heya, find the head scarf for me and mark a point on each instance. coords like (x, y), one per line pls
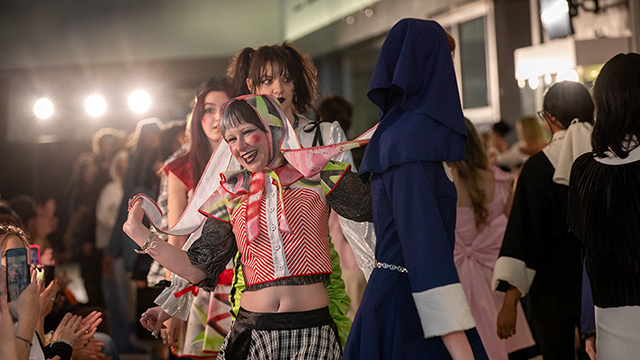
(414, 86)
(289, 162)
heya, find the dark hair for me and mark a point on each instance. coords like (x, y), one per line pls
(336, 108)
(8, 216)
(200, 150)
(617, 96)
(469, 175)
(24, 207)
(168, 137)
(237, 112)
(285, 58)
(501, 128)
(568, 100)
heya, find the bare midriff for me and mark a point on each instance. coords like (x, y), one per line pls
(285, 298)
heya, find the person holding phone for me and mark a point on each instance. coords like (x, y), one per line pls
(31, 305)
(7, 334)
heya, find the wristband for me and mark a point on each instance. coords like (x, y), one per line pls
(148, 245)
(61, 341)
(29, 344)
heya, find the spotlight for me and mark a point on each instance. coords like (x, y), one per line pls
(569, 75)
(139, 101)
(368, 12)
(43, 108)
(95, 105)
(533, 82)
(350, 20)
(547, 79)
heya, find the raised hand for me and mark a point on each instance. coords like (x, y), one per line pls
(68, 330)
(7, 335)
(89, 326)
(48, 298)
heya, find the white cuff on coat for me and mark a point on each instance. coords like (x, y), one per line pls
(515, 272)
(443, 310)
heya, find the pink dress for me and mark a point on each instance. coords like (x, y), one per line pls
(475, 256)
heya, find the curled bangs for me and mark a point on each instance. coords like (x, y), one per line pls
(274, 58)
(237, 112)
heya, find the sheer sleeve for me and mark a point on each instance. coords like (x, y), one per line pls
(213, 250)
(351, 198)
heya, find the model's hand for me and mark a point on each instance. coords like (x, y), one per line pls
(153, 318)
(171, 332)
(509, 313)
(590, 347)
(133, 226)
(507, 320)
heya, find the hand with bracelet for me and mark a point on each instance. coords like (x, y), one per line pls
(69, 330)
(169, 256)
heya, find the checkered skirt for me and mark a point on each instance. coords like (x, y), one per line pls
(270, 336)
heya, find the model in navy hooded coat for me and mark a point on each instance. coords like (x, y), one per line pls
(414, 295)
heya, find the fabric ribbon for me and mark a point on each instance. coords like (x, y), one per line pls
(255, 193)
(484, 248)
(311, 127)
(193, 289)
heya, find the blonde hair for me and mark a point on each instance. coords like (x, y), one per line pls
(532, 131)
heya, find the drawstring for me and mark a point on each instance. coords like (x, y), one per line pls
(314, 126)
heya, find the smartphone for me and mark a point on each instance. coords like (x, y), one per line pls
(49, 274)
(35, 254)
(18, 275)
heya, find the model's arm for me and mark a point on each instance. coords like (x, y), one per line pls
(351, 198)
(172, 258)
(176, 203)
(458, 345)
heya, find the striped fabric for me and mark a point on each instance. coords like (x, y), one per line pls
(306, 251)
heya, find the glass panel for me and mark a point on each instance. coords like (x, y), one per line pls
(473, 61)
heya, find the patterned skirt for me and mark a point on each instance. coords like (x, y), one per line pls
(295, 335)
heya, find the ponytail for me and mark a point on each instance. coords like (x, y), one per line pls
(238, 72)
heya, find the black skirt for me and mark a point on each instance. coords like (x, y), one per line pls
(301, 335)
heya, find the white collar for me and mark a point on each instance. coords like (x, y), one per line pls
(552, 150)
(613, 159)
